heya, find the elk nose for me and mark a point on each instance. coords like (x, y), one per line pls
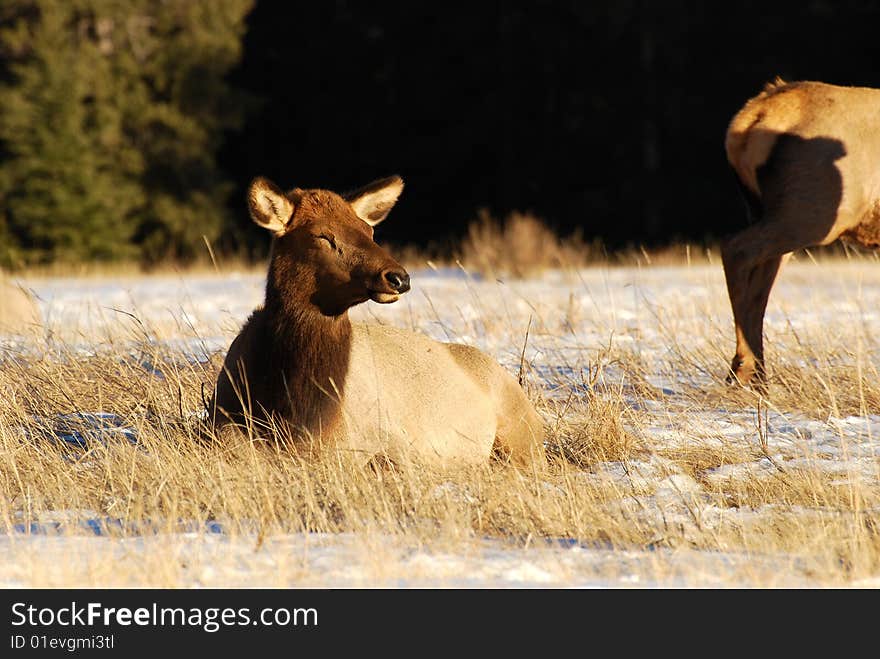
(399, 281)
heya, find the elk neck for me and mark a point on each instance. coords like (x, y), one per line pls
(310, 351)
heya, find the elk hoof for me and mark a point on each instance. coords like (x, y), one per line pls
(747, 374)
(738, 373)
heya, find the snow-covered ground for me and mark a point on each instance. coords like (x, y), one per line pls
(566, 321)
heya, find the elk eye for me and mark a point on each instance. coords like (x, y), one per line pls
(329, 239)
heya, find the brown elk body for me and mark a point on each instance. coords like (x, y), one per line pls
(19, 313)
(807, 159)
(301, 368)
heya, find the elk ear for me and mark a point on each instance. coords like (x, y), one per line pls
(269, 207)
(374, 201)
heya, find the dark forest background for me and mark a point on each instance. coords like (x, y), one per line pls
(130, 129)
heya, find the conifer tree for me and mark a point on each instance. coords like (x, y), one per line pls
(111, 113)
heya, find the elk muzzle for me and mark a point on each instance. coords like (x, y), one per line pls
(392, 283)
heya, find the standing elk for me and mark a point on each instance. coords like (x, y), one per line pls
(807, 159)
(300, 367)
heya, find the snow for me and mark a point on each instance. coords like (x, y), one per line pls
(559, 325)
(211, 560)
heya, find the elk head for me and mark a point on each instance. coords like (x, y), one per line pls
(323, 252)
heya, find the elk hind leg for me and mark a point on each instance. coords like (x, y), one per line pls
(519, 436)
(750, 277)
(751, 331)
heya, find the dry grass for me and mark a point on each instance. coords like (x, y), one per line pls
(255, 490)
(520, 246)
(604, 484)
(170, 475)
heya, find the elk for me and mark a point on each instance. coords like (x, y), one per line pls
(301, 369)
(19, 312)
(806, 156)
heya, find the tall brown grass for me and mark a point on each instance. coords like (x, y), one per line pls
(609, 484)
(521, 246)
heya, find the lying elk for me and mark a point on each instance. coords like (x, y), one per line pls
(807, 159)
(301, 366)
